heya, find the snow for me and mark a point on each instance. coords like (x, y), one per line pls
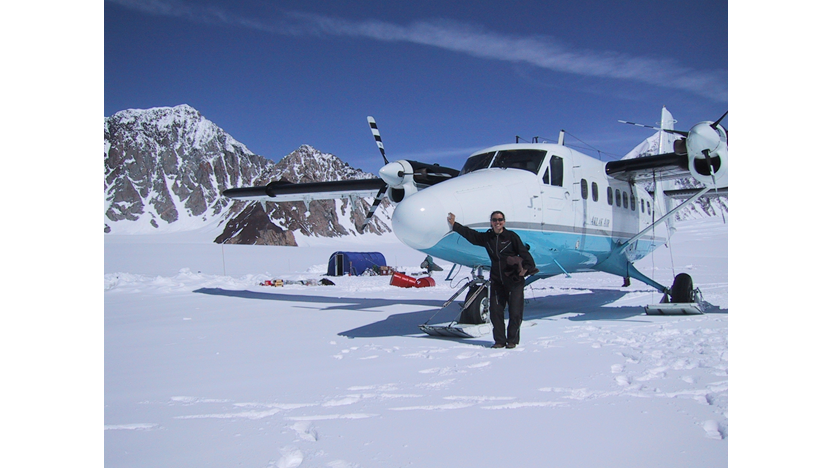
(205, 367)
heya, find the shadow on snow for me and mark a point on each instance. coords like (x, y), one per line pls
(588, 306)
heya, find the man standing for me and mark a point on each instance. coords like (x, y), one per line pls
(510, 264)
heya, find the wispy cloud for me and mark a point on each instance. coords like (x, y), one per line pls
(540, 51)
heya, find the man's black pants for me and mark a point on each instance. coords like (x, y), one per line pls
(502, 294)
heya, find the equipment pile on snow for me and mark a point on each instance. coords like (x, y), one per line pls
(356, 263)
(309, 282)
(403, 281)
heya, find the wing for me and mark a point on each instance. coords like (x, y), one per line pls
(683, 194)
(648, 168)
(283, 191)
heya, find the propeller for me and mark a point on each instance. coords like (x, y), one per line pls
(382, 190)
(403, 176)
(707, 154)
(680, 146)
(677, 132)
(705, 139)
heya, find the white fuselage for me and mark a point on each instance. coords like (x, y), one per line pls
(560, 202)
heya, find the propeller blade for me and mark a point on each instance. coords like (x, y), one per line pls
(379, 198)
(678, 132)
(377, 135)
(707, 154)
(713, 125)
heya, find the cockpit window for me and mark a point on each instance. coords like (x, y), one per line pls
(477, 161)
(527, 159)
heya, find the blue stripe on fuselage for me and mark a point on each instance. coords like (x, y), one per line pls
(551, 250)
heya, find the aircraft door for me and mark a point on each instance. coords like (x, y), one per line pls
(553, 194)
(579, 195)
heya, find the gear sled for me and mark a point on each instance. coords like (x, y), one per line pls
(473, 320)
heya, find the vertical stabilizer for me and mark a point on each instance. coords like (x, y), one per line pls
(666, 140)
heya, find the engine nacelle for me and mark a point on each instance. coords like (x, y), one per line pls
(704, 141)
(399, 178)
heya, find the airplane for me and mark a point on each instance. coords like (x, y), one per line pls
(574, 212)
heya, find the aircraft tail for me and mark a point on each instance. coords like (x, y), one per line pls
(666, 140)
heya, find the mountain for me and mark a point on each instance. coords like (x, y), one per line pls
(321, 218)
(165, 170)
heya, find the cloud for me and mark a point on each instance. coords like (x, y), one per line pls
(540, 51)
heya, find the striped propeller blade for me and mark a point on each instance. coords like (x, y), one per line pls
(379, 198)
(377, 135)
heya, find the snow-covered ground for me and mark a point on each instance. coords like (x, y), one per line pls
(205, 367)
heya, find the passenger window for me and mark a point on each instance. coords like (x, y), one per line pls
(609, 195)
(617, 197)
(642, 205)
(648, 209)
(632, 202)
(584, 189)
(594, 191)
(625, 201)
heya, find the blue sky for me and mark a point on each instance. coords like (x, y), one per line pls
(441, 78)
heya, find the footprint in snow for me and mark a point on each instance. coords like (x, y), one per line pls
(442, 370)
(481, 364)
(340, 464)
(305, 431)
(342, 402)
(291, 457)
(712, 429)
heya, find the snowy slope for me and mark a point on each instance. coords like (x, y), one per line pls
(165, 169)
(204, 367)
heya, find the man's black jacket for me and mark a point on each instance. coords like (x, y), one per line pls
(500, 247)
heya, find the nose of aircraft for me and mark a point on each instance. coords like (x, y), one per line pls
(421, 220)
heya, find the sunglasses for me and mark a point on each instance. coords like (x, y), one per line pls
(497, 220)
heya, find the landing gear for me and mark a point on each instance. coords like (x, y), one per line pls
(478, 302)
(681, 299)
(473, 320)
(682, 289)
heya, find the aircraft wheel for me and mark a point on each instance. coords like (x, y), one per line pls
(477, 312)
(682, 289)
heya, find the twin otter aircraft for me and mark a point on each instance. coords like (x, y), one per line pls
(576, 213)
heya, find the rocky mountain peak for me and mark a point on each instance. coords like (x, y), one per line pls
(165, 169)
(307, 164)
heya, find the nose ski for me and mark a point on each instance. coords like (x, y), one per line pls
(473, 319)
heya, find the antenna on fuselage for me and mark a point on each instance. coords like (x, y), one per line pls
(561, 137)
